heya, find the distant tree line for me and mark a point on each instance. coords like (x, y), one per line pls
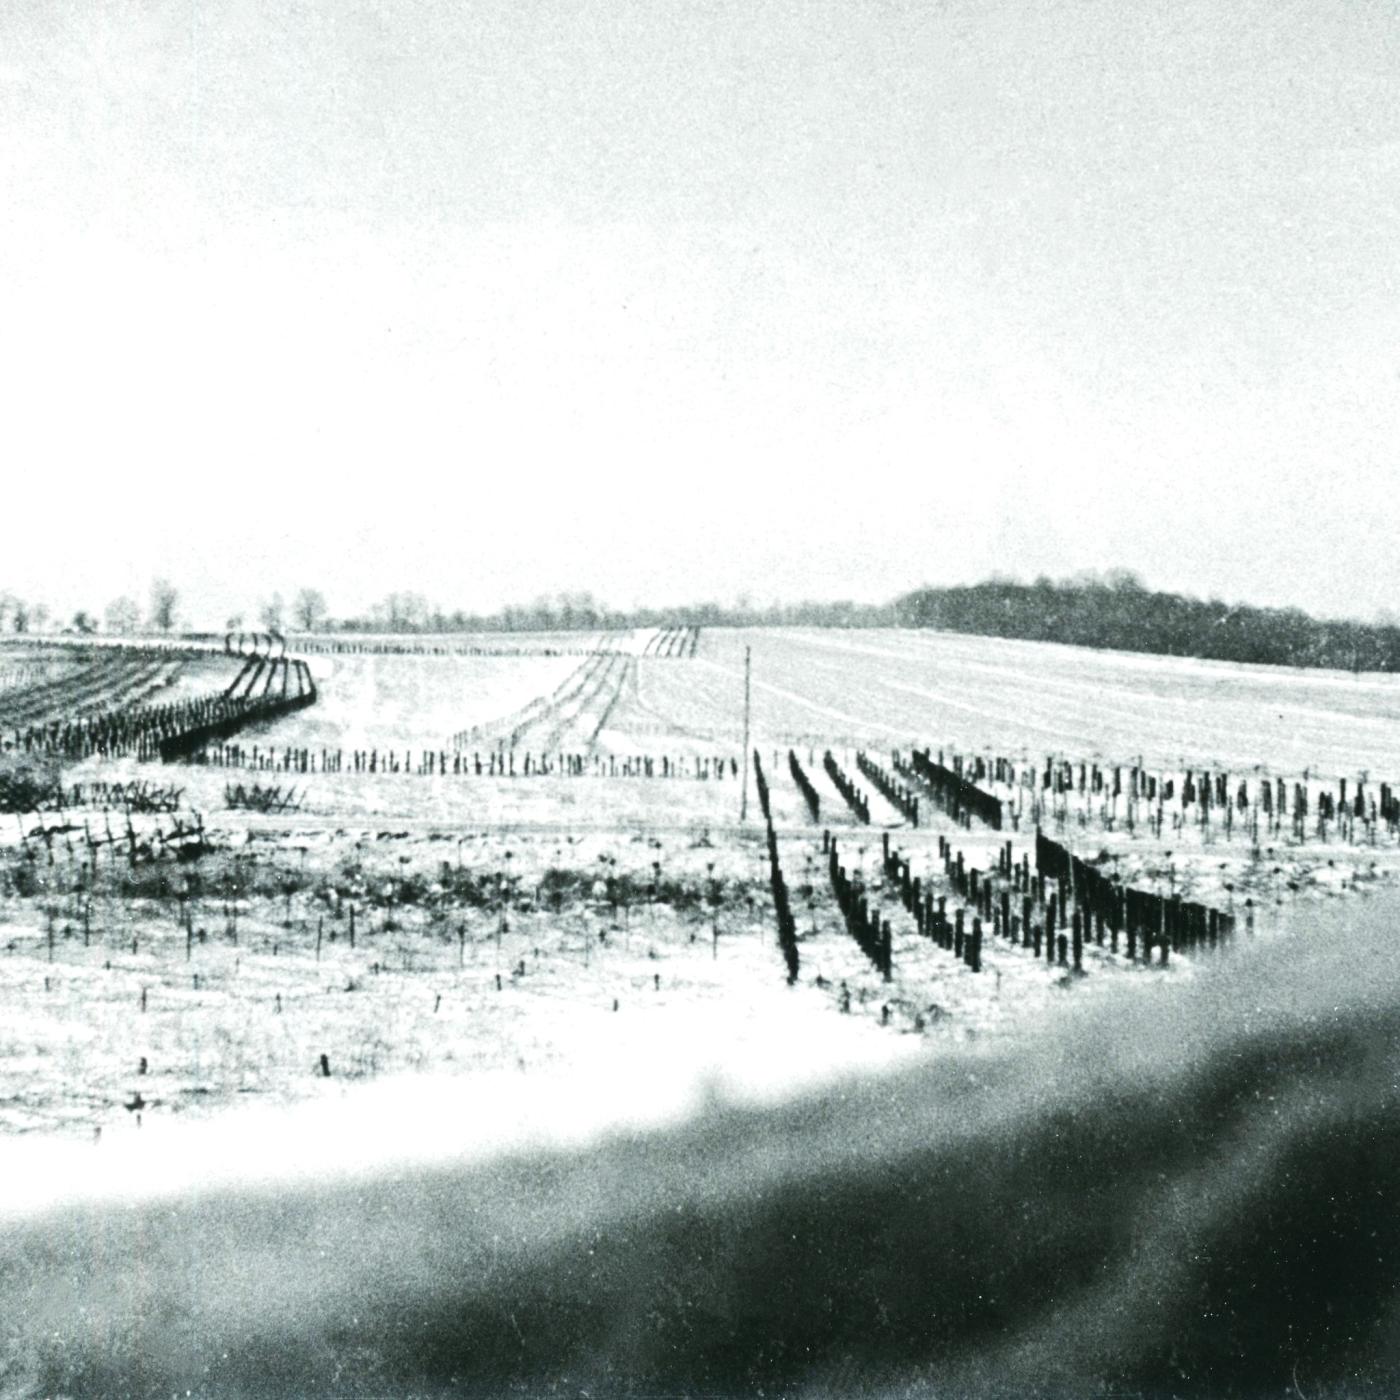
(1118, 611)
(581, 612)
(1114, 610)
(409, 613)
(124, 616)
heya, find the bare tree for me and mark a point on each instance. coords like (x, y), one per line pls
(309, 609)
(165, 601)
(122, 615)
(402, 612)
(542, 618)
(577, 610)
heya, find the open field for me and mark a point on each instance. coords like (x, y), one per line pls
(467, 856)
(63, 683)
(887, 688)
(883, 688)
(194, 985)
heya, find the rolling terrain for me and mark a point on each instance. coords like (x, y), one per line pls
(497, 1024)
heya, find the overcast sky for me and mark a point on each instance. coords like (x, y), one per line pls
(676, 301)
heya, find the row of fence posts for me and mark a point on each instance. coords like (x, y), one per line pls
(960, 797)
(584, 684)
(107, 681)
(901, 798)
(782, 904)
(1085, 906)
(761, 786)
(930, 918)
(1207, 792)
(1167, 922)
(593, 672)
(804, 786)
(871, 932)
(629, 669)
(496, 763)
(854, 798)
(1204, 797)
(673, 643)
(360, 647)
(1214, 797)
(158, 731)
(954, 784)
(991, 907)
(994, 905)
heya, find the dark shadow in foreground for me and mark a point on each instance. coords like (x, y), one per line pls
(1182, 1191)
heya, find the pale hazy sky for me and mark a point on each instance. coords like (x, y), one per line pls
(673, 301)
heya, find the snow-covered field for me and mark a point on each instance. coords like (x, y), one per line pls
(230, 977)
(890, 688)
(543, 961)
(39, 686)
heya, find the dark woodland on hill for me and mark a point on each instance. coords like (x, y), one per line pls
(1118, 612)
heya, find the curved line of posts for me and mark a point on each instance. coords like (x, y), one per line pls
(167, 731)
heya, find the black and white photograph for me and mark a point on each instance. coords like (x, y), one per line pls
(699, 699)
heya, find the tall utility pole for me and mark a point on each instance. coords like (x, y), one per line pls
(744, 791)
